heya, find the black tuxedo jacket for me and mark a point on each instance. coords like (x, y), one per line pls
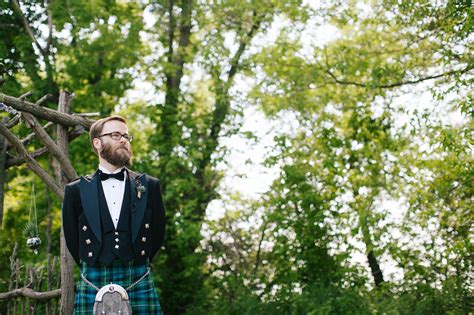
(81, 217)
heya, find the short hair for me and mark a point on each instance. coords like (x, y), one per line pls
(96, 128)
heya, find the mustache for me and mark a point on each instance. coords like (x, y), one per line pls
(123, 147)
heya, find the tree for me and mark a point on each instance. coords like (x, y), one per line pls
(212, 38)
(345, 155)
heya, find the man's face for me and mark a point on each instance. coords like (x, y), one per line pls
(116, 152)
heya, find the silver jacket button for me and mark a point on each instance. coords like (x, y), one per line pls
(147, 226)
(84, 228)
(90, 254)
(144, 239)
(88, 241)
(116, 247)
(143, 253)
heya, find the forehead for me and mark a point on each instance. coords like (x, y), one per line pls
(113, 126)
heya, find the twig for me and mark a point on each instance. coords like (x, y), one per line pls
(24, 96)
(43, 99)
(13, 122)
(87, 114)
(28, 138)
(400, 83)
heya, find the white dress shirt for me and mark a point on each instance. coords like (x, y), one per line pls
(113, 191)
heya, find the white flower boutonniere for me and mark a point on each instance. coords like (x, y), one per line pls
(140, 189)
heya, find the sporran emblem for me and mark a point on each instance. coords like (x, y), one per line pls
(112, 299)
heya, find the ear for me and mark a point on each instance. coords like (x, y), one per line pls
(97, 144)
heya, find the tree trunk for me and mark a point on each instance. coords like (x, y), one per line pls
(67, 279)
(3, 160)
(375, 268)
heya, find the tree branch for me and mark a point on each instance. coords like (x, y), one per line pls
(28, 138)
(66, 166)
(45, 113)
(13, 122)
(29, 293)
(17, 160)
(259, 250)
(3, 160)
(31, 162)
(221, 110)
(400, 83)
(26, 24)
(50, 29)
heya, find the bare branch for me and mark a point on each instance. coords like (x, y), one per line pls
(87, 114)
(31, 162)
(29, 293)
(3, 160)
(28, 138)
(24, 96)
(13, 122)
(43, 99)
(17, 161)
(45, 113)
(66, 166)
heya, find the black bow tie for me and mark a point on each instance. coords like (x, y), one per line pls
(120, 175)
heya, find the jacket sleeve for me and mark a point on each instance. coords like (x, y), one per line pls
(158, 218)
(70, 221)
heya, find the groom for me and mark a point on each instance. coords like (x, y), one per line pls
(114, 222)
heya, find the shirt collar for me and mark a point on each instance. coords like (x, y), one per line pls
(106, 171)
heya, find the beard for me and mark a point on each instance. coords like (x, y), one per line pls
(118, 156)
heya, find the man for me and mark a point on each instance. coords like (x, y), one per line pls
(114, 222)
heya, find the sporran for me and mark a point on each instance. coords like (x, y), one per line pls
(112, 299)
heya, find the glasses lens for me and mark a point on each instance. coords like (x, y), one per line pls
(116, 135)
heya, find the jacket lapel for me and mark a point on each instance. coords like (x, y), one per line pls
(137, 204)
(90, 203)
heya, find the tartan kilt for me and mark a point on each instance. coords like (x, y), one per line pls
(143, 296)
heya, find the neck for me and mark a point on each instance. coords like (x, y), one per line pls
(110, 167)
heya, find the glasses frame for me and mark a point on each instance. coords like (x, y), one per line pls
(115, 136)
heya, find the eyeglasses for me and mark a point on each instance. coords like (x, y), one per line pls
(117, 136)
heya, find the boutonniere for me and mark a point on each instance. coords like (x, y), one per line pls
(140, 189)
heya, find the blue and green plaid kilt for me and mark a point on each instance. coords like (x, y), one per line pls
(143, 296)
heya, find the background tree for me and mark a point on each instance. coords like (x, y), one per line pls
(203, 47)
(369, 177)
(349, 145)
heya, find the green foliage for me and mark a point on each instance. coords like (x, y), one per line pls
(364, 170)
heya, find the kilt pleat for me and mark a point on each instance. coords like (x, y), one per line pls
(143, 297)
